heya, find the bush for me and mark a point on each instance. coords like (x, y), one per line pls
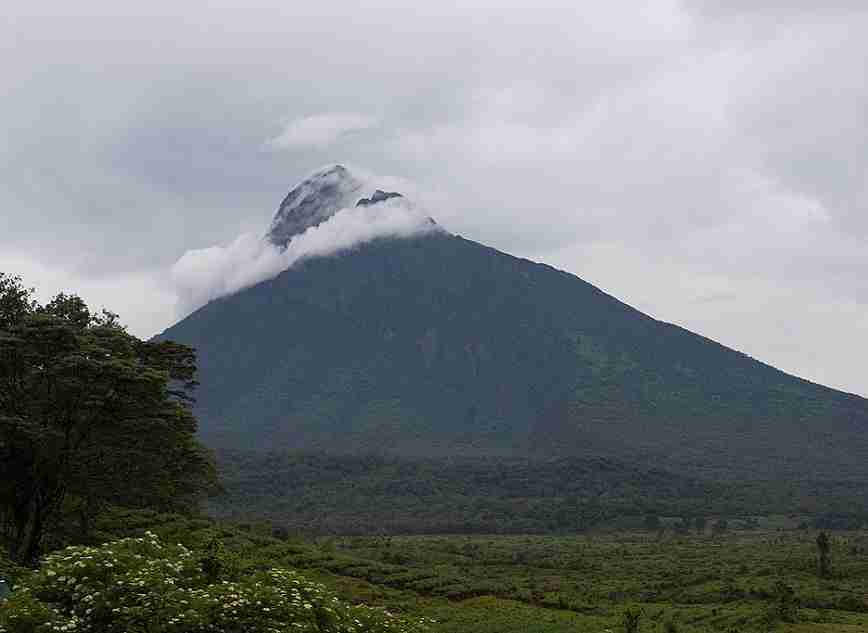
(141, 584)
(630, 620)
(784, 606)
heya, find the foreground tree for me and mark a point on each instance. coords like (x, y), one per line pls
(90, 415)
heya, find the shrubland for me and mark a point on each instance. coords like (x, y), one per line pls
(759, 574)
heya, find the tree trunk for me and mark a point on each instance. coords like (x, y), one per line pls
(30, 529)
(28, 536)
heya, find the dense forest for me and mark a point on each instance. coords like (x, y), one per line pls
(374, 494)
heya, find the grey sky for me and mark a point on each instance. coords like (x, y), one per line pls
(706, 162)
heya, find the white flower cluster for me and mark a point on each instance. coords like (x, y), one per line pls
(145, 584)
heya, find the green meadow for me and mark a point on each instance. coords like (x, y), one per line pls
(758, 575)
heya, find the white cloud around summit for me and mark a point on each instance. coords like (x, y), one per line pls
(202, 275)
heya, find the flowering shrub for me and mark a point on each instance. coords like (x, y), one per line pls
(143, 585)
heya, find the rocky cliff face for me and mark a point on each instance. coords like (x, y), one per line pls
(318, 198)
(314, 201)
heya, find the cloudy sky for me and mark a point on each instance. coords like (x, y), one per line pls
(708, 166)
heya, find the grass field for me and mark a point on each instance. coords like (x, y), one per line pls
(743, 580)
(739, 581)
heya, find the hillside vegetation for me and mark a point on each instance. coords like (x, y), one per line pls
(345, 494)
(439, 346)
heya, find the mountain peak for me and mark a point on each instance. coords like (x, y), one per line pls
(320, 196)
(313, 201)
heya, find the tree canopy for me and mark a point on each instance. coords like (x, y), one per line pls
(90, 415)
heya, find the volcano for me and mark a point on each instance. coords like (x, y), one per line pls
(430, 345)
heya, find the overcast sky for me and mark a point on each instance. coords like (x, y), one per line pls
(708, 166)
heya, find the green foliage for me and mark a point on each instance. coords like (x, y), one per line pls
(371, 494)
(16, 301)
(89, 415)
(551, 584)
(784, 606)
(375, 494)
(630, 620)
(670, 626)
(144, 584)
(216, 562)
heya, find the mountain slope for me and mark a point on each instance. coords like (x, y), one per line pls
(435, 345)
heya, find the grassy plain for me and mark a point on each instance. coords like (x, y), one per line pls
(737, 581)
(756, 579)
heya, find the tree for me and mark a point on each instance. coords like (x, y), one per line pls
(824, 549)
(700, 523)
(90, 415)
(16, 301)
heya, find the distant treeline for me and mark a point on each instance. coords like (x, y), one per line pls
(323, 493)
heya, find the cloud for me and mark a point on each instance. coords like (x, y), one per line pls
(320, 130)
(141, 298)
(203, 275)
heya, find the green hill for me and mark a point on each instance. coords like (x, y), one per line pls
(438, 346)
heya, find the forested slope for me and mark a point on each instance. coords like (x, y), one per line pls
(439, 346)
